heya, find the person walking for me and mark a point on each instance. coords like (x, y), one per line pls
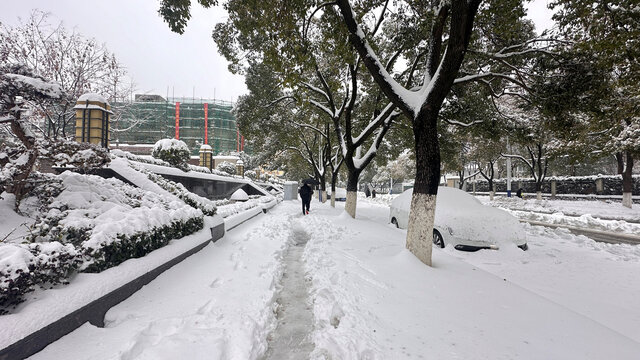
(305, 194)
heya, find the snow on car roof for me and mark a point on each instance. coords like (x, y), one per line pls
(446, 195)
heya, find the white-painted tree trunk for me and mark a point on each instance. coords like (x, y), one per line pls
(333, 200)
(324, 196)
(539, 195)
(626, 200)
(491, 195)
(350, 205)
(420, 229)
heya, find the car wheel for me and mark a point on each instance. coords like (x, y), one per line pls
(395, 222)
(437, 239)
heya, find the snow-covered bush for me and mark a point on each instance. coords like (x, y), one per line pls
(109, 221)
(25, 266)
(107, 255)
(251, 174)
(137, 158)
(83, 156)
(226, 167)
(207, 206)
(173, 151)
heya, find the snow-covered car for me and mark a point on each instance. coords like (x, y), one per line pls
(463, 221)
(341, 194)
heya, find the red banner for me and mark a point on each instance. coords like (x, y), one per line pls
(177, 121)
(206, 123)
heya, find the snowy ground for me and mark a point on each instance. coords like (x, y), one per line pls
(591, 214)
(566, 298)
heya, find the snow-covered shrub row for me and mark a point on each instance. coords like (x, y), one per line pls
(206, 170)
(612, 184)
(139, 244)
(143, 159)
(88, 223)
(25, 266)
(173, 151)
(235, 208)
(207, 206)
(151, 160)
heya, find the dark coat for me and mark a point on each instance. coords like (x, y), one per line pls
(305, 192)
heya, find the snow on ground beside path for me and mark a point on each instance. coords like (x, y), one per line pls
(217, 304)
(595, 279)
(588, 209)
(374, 300)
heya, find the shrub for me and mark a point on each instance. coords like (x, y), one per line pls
(173, 151)
(226, 167)
(251, 174)
(138, 245)
(25, 266)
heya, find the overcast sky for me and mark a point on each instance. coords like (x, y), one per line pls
(155, 57)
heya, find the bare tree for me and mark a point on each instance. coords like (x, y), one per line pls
(77, 64)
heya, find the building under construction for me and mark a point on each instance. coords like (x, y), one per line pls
(195, 121)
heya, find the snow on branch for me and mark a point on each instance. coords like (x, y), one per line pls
(308, 126)
(316, 90)
(280, 99)
(460, 123)
(322, 107)
(519, 157)
(362, 161)
(490, 75)
(386, 113)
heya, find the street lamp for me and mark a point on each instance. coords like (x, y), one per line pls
(240, 167)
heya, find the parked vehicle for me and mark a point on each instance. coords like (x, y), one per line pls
(463, 221)
(341, 194)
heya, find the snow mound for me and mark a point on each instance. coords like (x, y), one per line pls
(239, 195)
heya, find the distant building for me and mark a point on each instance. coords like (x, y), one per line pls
(151, 118)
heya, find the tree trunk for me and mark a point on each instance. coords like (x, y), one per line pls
(425, 190)
(539, 189)
(333, 193)
(491, 189)
(19, 181)
(626, 170)
(352, 192)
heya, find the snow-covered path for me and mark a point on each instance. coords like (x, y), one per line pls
(218, 304)
(290, 340)
(565, 298)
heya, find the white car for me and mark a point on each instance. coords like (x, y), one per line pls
(462, 221)
(341, 194)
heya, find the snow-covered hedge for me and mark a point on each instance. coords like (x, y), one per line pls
(107, 255)
(25, 266)
(612, 184)
(207, 206)
(88, 223)
(173, 151)
(154, 161)
(235, 208)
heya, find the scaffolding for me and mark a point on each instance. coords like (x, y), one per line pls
(151, 118)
